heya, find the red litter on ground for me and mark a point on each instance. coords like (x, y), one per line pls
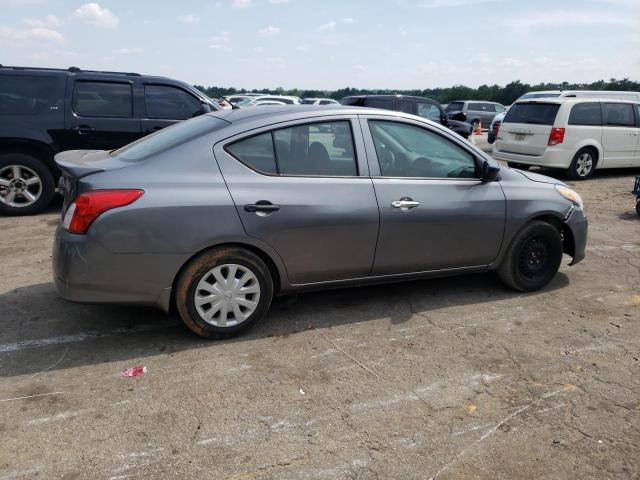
(134, 371)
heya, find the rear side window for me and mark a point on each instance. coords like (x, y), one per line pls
(586, 114)
(318, 149)
(619, 114)
(406, 106)
(454, 107)
(476, 107)
(103, 99)
(532, 113)
(163, 101)
(28, 95)
(428, 110)
(168, 138)
(379, 103)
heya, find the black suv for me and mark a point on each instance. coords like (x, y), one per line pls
(45, 111)
(424, 107)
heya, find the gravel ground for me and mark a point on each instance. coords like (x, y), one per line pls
(458, 378)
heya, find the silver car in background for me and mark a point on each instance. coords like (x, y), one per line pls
(220, 213)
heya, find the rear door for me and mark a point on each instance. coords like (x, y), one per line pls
(526, 127)
(166, 105)
(435, 213)
(100, 113)
(619, 134)
(303, 188)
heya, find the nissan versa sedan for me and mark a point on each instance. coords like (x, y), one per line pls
(218, 214)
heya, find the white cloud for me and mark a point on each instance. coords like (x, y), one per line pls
(50, 21)
(561, 19)
(94, 14)
(327, 26)
(278, 2)
(188, 19)
(453, 3)
(258, 49)
(42, 34)
(240, 4)
(348, 20)
(129, 51)
(221, 41)
(302, 48)
(269, 31)
(276, 62)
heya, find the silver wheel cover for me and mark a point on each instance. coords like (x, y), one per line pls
(584, 164)
(227, 295)
(20, 186)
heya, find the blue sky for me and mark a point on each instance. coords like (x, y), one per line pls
(328, 44)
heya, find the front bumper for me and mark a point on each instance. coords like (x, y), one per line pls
(579, 227)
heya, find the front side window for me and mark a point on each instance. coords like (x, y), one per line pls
(406, 150)
(429, 110)
(318, 149)
(166, 102)
(618, 114)
(488, 107)
(454, 107)
(500, 108)
(586, 114)
(103, 99)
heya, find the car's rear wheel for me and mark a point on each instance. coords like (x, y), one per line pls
(26, 184)
(519, 166)
(533, 258)
(223, 292)
(583, 164)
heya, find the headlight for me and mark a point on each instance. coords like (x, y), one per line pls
(570, 195)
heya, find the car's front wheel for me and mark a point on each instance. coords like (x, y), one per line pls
(223, 292)
(26, 184)
(533, 258)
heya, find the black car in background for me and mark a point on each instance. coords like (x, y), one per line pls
(423, 107)
(45, 111)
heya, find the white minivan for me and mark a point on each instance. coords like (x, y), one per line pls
(575, 134)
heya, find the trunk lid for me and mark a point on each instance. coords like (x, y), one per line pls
(526, 127)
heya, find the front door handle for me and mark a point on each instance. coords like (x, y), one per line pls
(405, 204)
(262, 206)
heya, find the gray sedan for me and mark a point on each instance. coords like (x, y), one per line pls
(220, 213)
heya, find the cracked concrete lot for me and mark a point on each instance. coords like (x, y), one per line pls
(457, 378)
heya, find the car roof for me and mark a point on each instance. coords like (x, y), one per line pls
(563, 100)
(475, 101)
(392, 96)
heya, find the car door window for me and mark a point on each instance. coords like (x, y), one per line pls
(475, 107)
(488, 107)
(405, 150)
(377, 103)
(406, 106)
(618, 114)
(428, 110)
(318, 149)
(103, 99)
(588, 113)
(499, 108)
(166, 102)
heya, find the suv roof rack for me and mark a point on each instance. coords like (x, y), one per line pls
(70, 69)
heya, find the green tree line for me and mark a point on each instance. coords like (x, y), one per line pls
(505, 95)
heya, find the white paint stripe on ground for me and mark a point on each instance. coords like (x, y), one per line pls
(79, 337)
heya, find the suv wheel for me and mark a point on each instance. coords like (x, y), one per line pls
(583, 164)
(26, 184)
(533, 258)
(223, 292)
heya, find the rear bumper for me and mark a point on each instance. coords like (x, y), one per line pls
(86, 272)
(552, 158)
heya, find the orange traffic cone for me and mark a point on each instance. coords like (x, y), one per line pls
(478, 130)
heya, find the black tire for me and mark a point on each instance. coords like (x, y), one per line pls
(575, 172)
(199, 268)
(29, 166)
(533, 258)
(491, 136)
(638, 207)
(519, 166)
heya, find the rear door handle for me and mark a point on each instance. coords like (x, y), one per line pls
(405, 204)
(633, 134)
(83, 129)
(262, 206)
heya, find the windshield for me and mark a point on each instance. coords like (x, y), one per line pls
(168, 138)
(539, 95)
(454, 107)
(532, 113)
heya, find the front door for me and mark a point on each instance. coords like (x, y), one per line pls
(100, 115)
(619, 134)
(435, 213)
(304, 189)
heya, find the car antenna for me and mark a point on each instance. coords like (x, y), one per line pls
(233, 105)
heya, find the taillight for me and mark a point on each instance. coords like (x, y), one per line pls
(556, 136)
(89, 205)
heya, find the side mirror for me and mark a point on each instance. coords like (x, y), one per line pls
(489, 173)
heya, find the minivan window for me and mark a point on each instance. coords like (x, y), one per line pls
(27, 94)
(532, 113)
(454, 107)
(103, 99)
(405, 150)
(476, 107)
(619, 114)
(586, 114)
(428, 110)
(499, 108)
(406, 106)
(379, 103)
(167, 102)
(168, 138)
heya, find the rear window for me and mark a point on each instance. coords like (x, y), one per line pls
(454, 107)
(168, 138)
(29, 95)
(532, 113)
(586, 114)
